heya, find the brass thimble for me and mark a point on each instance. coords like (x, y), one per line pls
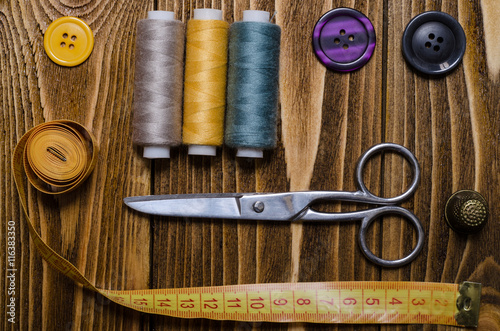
(466, 212)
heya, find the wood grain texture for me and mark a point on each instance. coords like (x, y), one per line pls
(326, 121)
(89, 227)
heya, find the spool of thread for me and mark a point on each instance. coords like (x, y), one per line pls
(205, 82)
(159, 66)
(253, 78)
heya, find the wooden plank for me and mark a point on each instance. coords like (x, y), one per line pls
(88, 226)
(350, 115)
(351, 123)
(450, 125)
(482, 97)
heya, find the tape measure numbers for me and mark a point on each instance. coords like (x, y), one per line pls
(324, 302)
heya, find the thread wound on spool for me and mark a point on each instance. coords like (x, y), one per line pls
(159, 70)
(253, 78)
(205, 82)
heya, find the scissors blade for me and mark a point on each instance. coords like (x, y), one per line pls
(224, 205)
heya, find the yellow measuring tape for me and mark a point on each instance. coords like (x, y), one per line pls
(57, 156)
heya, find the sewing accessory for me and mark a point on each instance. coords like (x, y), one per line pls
(68, 41)
(59, 155)
(328, 302)
(322, 302)
(344, 39)
(159, 68)
(295, 206)
(205, 82)
(434, 43)
(252, 90)
(466, 212)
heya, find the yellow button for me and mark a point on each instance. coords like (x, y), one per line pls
(68, 41)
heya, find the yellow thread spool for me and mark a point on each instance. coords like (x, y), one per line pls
(205, 81)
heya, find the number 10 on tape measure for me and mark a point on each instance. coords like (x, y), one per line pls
(329, 302)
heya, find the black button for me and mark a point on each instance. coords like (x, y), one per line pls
(343, 39)
(434, 43)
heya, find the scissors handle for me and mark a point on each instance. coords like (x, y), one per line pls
(367, 217)
(399, 150)
(395, 210)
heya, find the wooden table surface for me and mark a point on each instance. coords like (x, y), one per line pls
(327, 119)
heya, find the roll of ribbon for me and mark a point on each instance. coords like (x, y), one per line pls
(57, 156)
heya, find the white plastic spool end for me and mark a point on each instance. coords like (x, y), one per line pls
(250, 152)
(256, 16)
(202, 150)
(207, 14)
(161, 15)
(156, 152)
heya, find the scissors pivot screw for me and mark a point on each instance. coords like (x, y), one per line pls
(258, 206)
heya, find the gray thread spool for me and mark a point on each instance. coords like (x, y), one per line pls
(159, 67)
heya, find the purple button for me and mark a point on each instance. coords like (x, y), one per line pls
(344, 39)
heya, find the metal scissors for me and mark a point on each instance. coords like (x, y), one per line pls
(296, 206)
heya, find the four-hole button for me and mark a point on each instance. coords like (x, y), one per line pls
(344, 39)
(433, 43)
(68, 41)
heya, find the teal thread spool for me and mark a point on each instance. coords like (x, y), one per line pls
(252, 88)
